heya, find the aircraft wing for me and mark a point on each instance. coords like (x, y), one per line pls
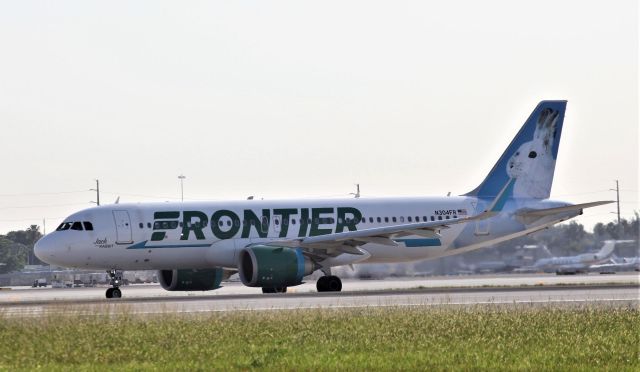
(348, 241)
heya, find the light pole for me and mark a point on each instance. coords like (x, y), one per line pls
(97, 190)
(617, 190)
(182, 177)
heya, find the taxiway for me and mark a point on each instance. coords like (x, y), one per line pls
(533, 290)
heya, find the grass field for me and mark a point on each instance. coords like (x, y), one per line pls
(420, 338)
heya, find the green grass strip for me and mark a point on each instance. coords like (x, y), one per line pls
(417, 338)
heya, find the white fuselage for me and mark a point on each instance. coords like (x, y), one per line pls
(194, 235)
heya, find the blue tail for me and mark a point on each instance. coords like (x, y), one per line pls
(530, 159)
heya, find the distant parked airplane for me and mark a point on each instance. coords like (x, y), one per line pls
(617, 265)
(274, 244)
(577, 264)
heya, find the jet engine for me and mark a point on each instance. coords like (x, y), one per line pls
(190, 279)
(273, 267)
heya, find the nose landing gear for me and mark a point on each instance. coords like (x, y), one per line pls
(114, 282)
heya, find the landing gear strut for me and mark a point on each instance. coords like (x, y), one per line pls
(115, 281)
(329, 283)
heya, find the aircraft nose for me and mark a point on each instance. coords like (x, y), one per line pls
(44, 248)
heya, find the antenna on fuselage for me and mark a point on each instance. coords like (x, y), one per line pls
(357, 193)
(250, 197)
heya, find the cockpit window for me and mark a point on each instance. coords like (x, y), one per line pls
(64, 226)
(75, 225)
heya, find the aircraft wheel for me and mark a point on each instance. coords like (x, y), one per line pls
(334, 284)
(329, 283)
(113, 293)
(321, 284)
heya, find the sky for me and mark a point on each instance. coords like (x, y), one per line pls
(301, 99)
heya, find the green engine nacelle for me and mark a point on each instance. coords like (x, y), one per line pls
(271, 267)
(190, 279)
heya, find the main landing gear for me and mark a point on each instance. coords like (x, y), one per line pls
(114, 282)
(329, 283)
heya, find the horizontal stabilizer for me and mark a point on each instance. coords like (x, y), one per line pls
(552, 211)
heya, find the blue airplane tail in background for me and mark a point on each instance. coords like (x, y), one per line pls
(528, 164)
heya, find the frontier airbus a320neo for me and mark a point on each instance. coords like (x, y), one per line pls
(274, 244)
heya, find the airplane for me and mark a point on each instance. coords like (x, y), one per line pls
(617, 265)
(275, 244)
(577, 264)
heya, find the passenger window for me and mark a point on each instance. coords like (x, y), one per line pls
(371, 219)
(379, 219)
(220, 223)
(417, 218)
(439, 218)
(88, 226)
(401, 218)
(76, 226)
(386, 219)
(364, 220)
(228, 222)
(141, 225)
(276, 222)
(424, 218)
(149, 225)
(447, 217)
(409, 219)
(433, 218)
(293, 221)
(393, 219)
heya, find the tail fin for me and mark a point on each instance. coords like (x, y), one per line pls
(607, 249)
(530, 159)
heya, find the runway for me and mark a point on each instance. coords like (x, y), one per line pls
(530, 290)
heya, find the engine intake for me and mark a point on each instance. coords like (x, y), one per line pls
(190, 279)
(265, 266)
